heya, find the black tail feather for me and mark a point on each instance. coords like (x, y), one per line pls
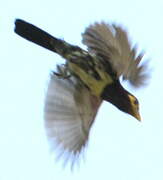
(35, 35)
(42, 38)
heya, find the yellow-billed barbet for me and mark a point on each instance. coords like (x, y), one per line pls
(77, 89)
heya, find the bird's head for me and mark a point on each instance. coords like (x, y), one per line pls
(122, 99)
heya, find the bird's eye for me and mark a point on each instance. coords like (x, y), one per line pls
(136, 102)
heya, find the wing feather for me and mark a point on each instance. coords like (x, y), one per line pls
(70, 110)
(112, 43)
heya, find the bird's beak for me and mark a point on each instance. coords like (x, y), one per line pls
(137, 116)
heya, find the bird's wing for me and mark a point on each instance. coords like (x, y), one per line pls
(70, 111)
(112, 43)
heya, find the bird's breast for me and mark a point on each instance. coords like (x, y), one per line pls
(94, 78)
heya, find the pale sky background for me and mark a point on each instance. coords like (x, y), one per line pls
(120, 148)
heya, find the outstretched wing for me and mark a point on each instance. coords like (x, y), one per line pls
(112, 43)
(70, 110)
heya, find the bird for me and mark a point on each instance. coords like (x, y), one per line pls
(89, 77)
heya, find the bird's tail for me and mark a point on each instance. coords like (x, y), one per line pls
(42, 38)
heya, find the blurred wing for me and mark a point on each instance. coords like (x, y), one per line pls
(69, 113)
(112, 43)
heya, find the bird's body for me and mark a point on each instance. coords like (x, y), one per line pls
(78, 88)
(93, 71)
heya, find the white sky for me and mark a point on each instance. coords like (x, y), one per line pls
(120, 148)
